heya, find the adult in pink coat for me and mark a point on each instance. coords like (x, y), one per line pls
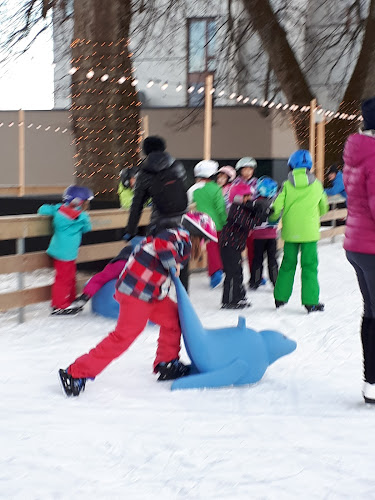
(359, 181)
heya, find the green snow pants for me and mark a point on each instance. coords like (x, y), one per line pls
(309, 273)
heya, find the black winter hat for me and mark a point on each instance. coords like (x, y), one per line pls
(368, 113)
(333, 169)
(153, 143)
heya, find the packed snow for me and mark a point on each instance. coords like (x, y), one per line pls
(303, 431)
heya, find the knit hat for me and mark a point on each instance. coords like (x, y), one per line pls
(153, 143)
(240, 190)
(333, 169)
(368, 114)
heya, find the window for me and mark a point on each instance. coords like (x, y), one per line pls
(201, 55)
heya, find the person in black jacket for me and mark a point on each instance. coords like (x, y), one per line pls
(161, 178)
(156, 163)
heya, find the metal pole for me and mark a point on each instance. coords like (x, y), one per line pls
(207, 117)
(20, 249)
(21, 152)
(312, 129)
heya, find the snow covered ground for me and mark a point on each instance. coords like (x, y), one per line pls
(302, 432)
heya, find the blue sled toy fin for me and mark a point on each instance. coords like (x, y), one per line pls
(228, 375)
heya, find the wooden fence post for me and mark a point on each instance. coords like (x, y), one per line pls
(208, 117)
(312, 129)
(21, 152)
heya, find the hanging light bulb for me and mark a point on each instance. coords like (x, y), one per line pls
(246, 100)
(200, 90)
(221, 93)
(104, 77)
(212, 91)
(254, 101)
(239, 98)
(134, 82)
(72, 70)
(179, 87)
(150, 84)
(164, 86)
(90, 74)
(232, 96)
(191, 89)
(121, 80)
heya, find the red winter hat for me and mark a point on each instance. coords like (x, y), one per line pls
(241, 189)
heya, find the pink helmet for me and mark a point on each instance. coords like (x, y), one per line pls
(200, 224)
(241, 189)
(229, 171)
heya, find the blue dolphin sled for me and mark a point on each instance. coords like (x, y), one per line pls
(225, 356)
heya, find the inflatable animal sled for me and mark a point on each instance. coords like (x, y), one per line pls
(225, 356)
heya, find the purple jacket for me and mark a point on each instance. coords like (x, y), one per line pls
(359, 181)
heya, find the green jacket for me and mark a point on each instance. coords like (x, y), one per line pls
(209, 199)
(302, 202)
(125, 196)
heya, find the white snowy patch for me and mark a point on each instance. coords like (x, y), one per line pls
(303, 431)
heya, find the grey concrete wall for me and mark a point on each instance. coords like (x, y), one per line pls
(49, 155)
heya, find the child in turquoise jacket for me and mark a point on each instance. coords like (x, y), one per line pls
(69, 222)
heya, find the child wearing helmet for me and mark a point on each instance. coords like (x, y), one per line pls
(209, 199)
(225, 177)
(265, 236)
(245, 167)
(301, 202)
(70, 221)
(142, 292)
(126, 186)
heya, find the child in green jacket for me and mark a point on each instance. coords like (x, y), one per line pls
(302, 201)
(209, 199)
(125, 189)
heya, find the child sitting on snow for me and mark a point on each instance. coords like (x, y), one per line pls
(70, 221)
(142, 291)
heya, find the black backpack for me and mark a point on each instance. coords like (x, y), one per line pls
(168, 192)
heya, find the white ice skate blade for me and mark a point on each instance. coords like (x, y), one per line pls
(368, 392)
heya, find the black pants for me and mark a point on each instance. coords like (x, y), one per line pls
(260, 248)
(233, 290)
(364, 266)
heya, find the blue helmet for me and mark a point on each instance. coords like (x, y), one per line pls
(77, 194)
(266, 187)
(300, 159)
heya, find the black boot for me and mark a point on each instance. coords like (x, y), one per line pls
(314, 308)
(172, 370)
(368, 349)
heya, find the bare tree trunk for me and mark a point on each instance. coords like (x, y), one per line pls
(105, 113)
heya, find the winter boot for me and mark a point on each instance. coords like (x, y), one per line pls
(279, 303)
(314, 308)
(172, 370)
(80, 301)
(216, 279)
(68, 311)
(71, 386)
(368, 393)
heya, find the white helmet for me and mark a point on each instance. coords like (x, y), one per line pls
(206, 168)
(247, 161)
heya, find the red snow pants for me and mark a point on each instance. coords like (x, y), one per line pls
(132, 320)
(213, 257)
(64, 286)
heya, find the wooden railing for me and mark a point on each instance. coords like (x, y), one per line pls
(19, 227)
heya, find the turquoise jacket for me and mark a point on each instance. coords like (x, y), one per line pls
(68, 226)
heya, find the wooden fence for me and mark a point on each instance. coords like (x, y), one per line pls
(19, 227)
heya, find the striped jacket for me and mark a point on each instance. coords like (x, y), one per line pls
(146, 274)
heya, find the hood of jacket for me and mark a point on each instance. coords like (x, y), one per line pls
(301, 178)
(359, 148)
(157, 161)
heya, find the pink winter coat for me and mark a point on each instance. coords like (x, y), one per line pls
(359, 181)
